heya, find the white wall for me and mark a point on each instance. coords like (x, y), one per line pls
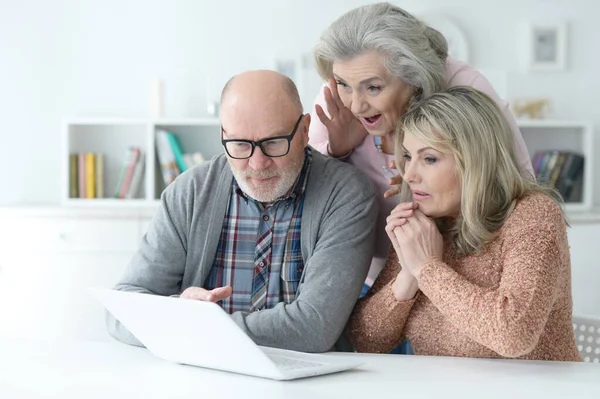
(69, 58)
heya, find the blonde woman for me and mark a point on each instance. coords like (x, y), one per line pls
(480, 265)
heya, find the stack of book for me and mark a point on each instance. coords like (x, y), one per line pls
(86, 175)
(562, 170)
(172, 158)
(131, 174)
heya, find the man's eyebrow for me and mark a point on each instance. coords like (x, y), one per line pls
(273, 135)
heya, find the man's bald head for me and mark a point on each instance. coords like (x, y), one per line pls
(262, 87)
(264, 107)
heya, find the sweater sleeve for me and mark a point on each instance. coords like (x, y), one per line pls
(510, 318)
(378, 320)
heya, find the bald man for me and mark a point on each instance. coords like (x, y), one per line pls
(278, 235)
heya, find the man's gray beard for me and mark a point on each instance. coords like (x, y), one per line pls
(287, 178)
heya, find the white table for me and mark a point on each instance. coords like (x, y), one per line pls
(30, 369)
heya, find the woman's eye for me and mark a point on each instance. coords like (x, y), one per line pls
(374, 89)
(430, 160)
(406, 157)
(340, 83)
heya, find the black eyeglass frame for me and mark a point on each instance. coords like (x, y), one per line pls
(255, 144)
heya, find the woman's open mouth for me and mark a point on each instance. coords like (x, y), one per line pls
(372, 121)
(420, 195)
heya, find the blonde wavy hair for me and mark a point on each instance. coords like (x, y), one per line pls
(468, 124)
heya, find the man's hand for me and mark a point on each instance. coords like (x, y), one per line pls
(200, 294)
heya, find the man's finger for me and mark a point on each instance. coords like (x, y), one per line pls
(197, 293)
(220, 293)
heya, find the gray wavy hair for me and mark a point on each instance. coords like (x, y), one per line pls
(411, 50)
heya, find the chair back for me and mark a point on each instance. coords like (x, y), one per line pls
(587, 336)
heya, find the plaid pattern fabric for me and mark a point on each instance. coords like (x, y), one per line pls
(253, 234)
(262, 265)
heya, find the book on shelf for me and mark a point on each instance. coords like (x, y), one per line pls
(132, 168)
(99, 175)
(90, 175)
(166, 158)
(561, 170)
(177, 151)
(172, 158)
(86, 175)
(81, 174)
(73, 179)
(137, 178)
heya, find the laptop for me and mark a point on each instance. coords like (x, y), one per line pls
(202, 334)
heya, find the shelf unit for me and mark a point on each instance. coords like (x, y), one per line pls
(565, 135)
(113, 136)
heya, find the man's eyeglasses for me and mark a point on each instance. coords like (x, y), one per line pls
(272, 147)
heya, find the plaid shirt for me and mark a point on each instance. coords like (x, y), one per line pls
(246, 220)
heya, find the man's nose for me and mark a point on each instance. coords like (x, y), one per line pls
(258, 160)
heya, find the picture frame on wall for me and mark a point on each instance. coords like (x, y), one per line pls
(548, 47)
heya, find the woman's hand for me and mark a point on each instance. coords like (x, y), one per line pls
(397, 219)
(345, 131)
(405, 285)
(418, 242)
(394, 182)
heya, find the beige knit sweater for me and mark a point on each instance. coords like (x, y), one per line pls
(511, 300)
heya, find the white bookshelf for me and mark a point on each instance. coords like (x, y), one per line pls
(113, 136)
(564, 135)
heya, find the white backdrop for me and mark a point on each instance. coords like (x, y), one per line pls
(66, 58)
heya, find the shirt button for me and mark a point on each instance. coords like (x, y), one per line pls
(266, 218)
(261, 264)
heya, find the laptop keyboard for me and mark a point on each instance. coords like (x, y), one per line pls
(287, 363)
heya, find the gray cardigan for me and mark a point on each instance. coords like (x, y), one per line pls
(338, 223)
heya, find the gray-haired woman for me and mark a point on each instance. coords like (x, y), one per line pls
(378, 59)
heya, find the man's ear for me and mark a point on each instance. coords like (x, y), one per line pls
(305, 127)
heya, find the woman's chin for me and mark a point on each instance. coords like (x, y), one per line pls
(430, 213)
